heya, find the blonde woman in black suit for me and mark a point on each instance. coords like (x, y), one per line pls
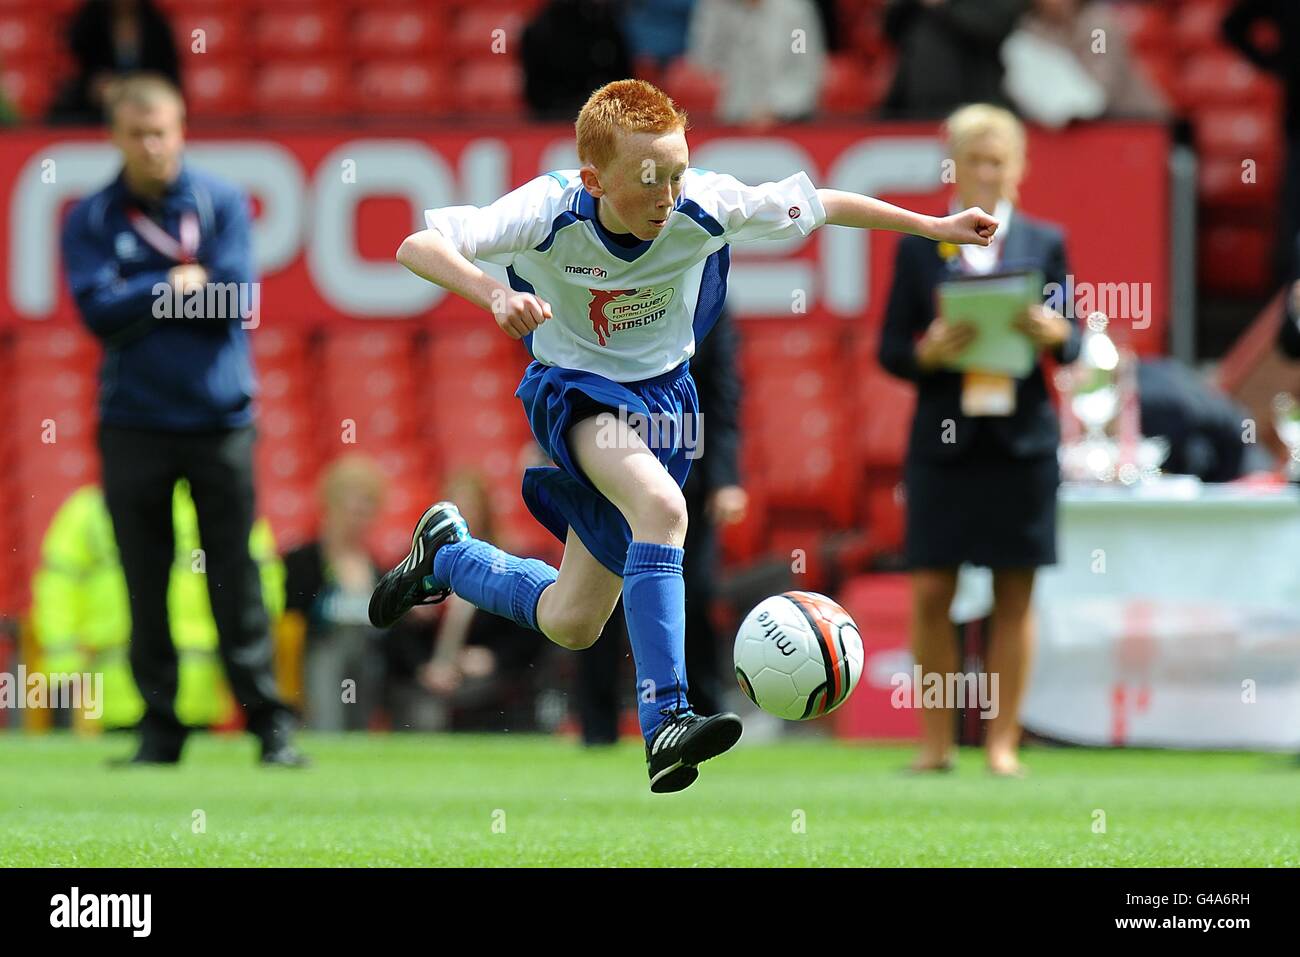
(980, 488)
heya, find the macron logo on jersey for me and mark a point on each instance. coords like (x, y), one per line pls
(613, 310)
(595, 272)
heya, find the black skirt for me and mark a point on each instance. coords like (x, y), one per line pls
(983, 508)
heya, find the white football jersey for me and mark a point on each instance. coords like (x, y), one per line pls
(626, 313)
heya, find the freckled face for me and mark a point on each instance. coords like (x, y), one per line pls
(640, 186)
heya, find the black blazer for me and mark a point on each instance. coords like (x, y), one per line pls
(1032, 430)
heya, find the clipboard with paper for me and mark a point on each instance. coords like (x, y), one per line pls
(991, 304)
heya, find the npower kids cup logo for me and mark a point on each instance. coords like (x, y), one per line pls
(614, 310)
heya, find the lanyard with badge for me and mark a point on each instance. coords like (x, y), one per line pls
(184, 250)
(986, 393)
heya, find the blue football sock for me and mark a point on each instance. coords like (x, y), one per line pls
(491, 579)
(654, 604)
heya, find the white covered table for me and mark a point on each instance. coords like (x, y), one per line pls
(1171, 620)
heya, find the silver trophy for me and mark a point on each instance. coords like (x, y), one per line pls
(1093, 390)
(1102, 396)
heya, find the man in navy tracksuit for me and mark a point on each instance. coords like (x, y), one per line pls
(160, 264)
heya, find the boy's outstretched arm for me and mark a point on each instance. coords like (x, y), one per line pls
(973, 226)
(431, 256)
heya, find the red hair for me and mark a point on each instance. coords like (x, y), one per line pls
(629, 106)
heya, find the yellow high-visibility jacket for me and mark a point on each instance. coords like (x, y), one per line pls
(81, 617)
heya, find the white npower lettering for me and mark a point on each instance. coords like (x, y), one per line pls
(873, 167)
(384, 167)
(79, 168)
(273, 175)
(327, 215)
(484, 176)
(560, 154)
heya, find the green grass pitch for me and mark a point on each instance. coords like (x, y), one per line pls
(538, 801)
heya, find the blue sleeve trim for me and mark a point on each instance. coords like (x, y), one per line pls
(692, 209)
(565, 218)
(520, 284)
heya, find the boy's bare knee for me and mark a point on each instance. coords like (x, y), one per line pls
(661, 517)
(569, 624)
(574, 632)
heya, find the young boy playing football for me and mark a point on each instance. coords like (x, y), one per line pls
(616, 270)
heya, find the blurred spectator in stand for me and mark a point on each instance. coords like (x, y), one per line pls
(329, 583)
(770, 55)
(656, 29)
(452, 665)
(1059, 67)
(569, 49)
(1203, 426)
(949, 53)
(981, 472)
(714, 497)
(109, 38)
(1242, 29)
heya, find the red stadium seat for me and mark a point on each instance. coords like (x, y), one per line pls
(863, 27)
(25, 35)
(396, 31)
(218, 88)
(487, 32)
(481, 343)
(402, 87)
(405, 498)
(492, 86)
(292, 511)
(696, 90)
(375, 345)
(1239, 133)
(279, 344)
(1146, 25)
(285, 463)
(305, 88)
(846, 87)
(224, 32)
(279, 382)
(68, 385)
(284, 423)
(291, 30)
(408, 461)
(1235, 259)
(1222, 77)
(27, 87)
(1199, 24)
(781, 343)
(1224, 182)
(884, 417)
(55, 348)
(55, 470)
